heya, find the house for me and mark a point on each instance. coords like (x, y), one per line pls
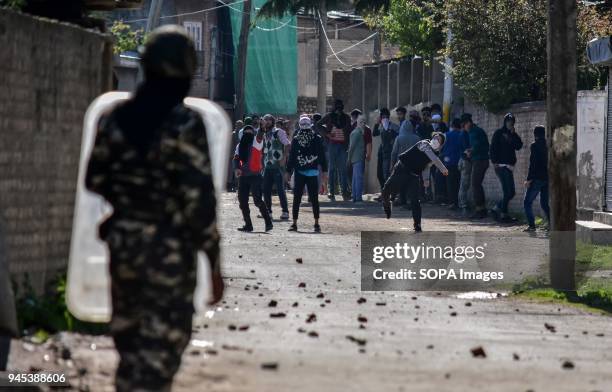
(209, 27)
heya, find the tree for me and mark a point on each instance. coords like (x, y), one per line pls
(411, 24)
(319, 8)
(499, 48)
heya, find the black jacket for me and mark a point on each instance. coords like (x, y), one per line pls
(538, 161)
(307, 151)
(504, 145)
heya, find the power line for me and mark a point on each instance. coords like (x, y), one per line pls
(356, 44)
(189, 13)
(329, 43)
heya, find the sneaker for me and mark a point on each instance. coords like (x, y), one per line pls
(284, 216)
(293, 227)
(417, 228)
(246, 228)
(317, 228)
(331, 197)
(530, 229)
(269, 226)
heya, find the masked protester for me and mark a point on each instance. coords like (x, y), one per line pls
(276, 145)
(337, 130)
(305, 159)
(248, 165)
(407, 171)
(504, 144)
(151, 162)
(387, 131)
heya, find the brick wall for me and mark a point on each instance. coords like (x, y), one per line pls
(50, 72)
(528, 115)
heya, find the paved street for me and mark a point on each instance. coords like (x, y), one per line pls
(291, 326)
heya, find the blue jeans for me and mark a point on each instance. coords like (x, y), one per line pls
(536, 187)
(357, 183)
(271, 177)
(337, 167)
(506, 178)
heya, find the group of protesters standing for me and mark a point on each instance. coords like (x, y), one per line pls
(268, 154)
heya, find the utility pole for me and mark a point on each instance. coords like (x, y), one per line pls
(322, 71)
(243, 43)
(561, 136)
(447, 100)
(377, 48)
(212, 69)
(153, 17)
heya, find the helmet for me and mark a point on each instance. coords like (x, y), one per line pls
(169, 52)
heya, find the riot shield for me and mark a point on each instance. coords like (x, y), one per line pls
(88, 286)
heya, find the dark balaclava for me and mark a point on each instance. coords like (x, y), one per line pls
(168, 62)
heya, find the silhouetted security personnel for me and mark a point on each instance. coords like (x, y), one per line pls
(151, 163)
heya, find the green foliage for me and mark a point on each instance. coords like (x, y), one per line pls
(48, 313)
(414, 25)
(411, 24)
(126, 38)
(499, 50)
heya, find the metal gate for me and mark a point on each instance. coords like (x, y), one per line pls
(609, 145)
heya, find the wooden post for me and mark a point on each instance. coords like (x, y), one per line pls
(322, 69)
(561, 136)
(243, 44)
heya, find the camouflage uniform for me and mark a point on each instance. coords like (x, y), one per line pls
(164, 211)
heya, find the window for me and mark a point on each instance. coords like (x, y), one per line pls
(194, 29)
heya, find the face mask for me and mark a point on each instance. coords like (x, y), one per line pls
(385, 122)
(435, 144)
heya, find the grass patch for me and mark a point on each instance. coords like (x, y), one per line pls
(593, 294)
(39, 316)
(593, 257)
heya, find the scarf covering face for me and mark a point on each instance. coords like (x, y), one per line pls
(304, 137)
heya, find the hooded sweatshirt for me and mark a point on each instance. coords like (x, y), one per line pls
(504, 145)
(307, 152)
(406, 139)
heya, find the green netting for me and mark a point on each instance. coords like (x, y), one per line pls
(271, 75)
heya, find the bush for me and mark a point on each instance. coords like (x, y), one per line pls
(126, 39)
(48, 313)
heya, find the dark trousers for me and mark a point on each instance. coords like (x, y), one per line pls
(5, 345)
(251, 185)
(452, 185)
(506, 179)
(274, 176)
(402, 178)
(536, 187)
(383, 168)
(479, 169)
(439, 185)
(312, 183)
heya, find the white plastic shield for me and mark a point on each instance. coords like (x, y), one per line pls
(88, 288)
